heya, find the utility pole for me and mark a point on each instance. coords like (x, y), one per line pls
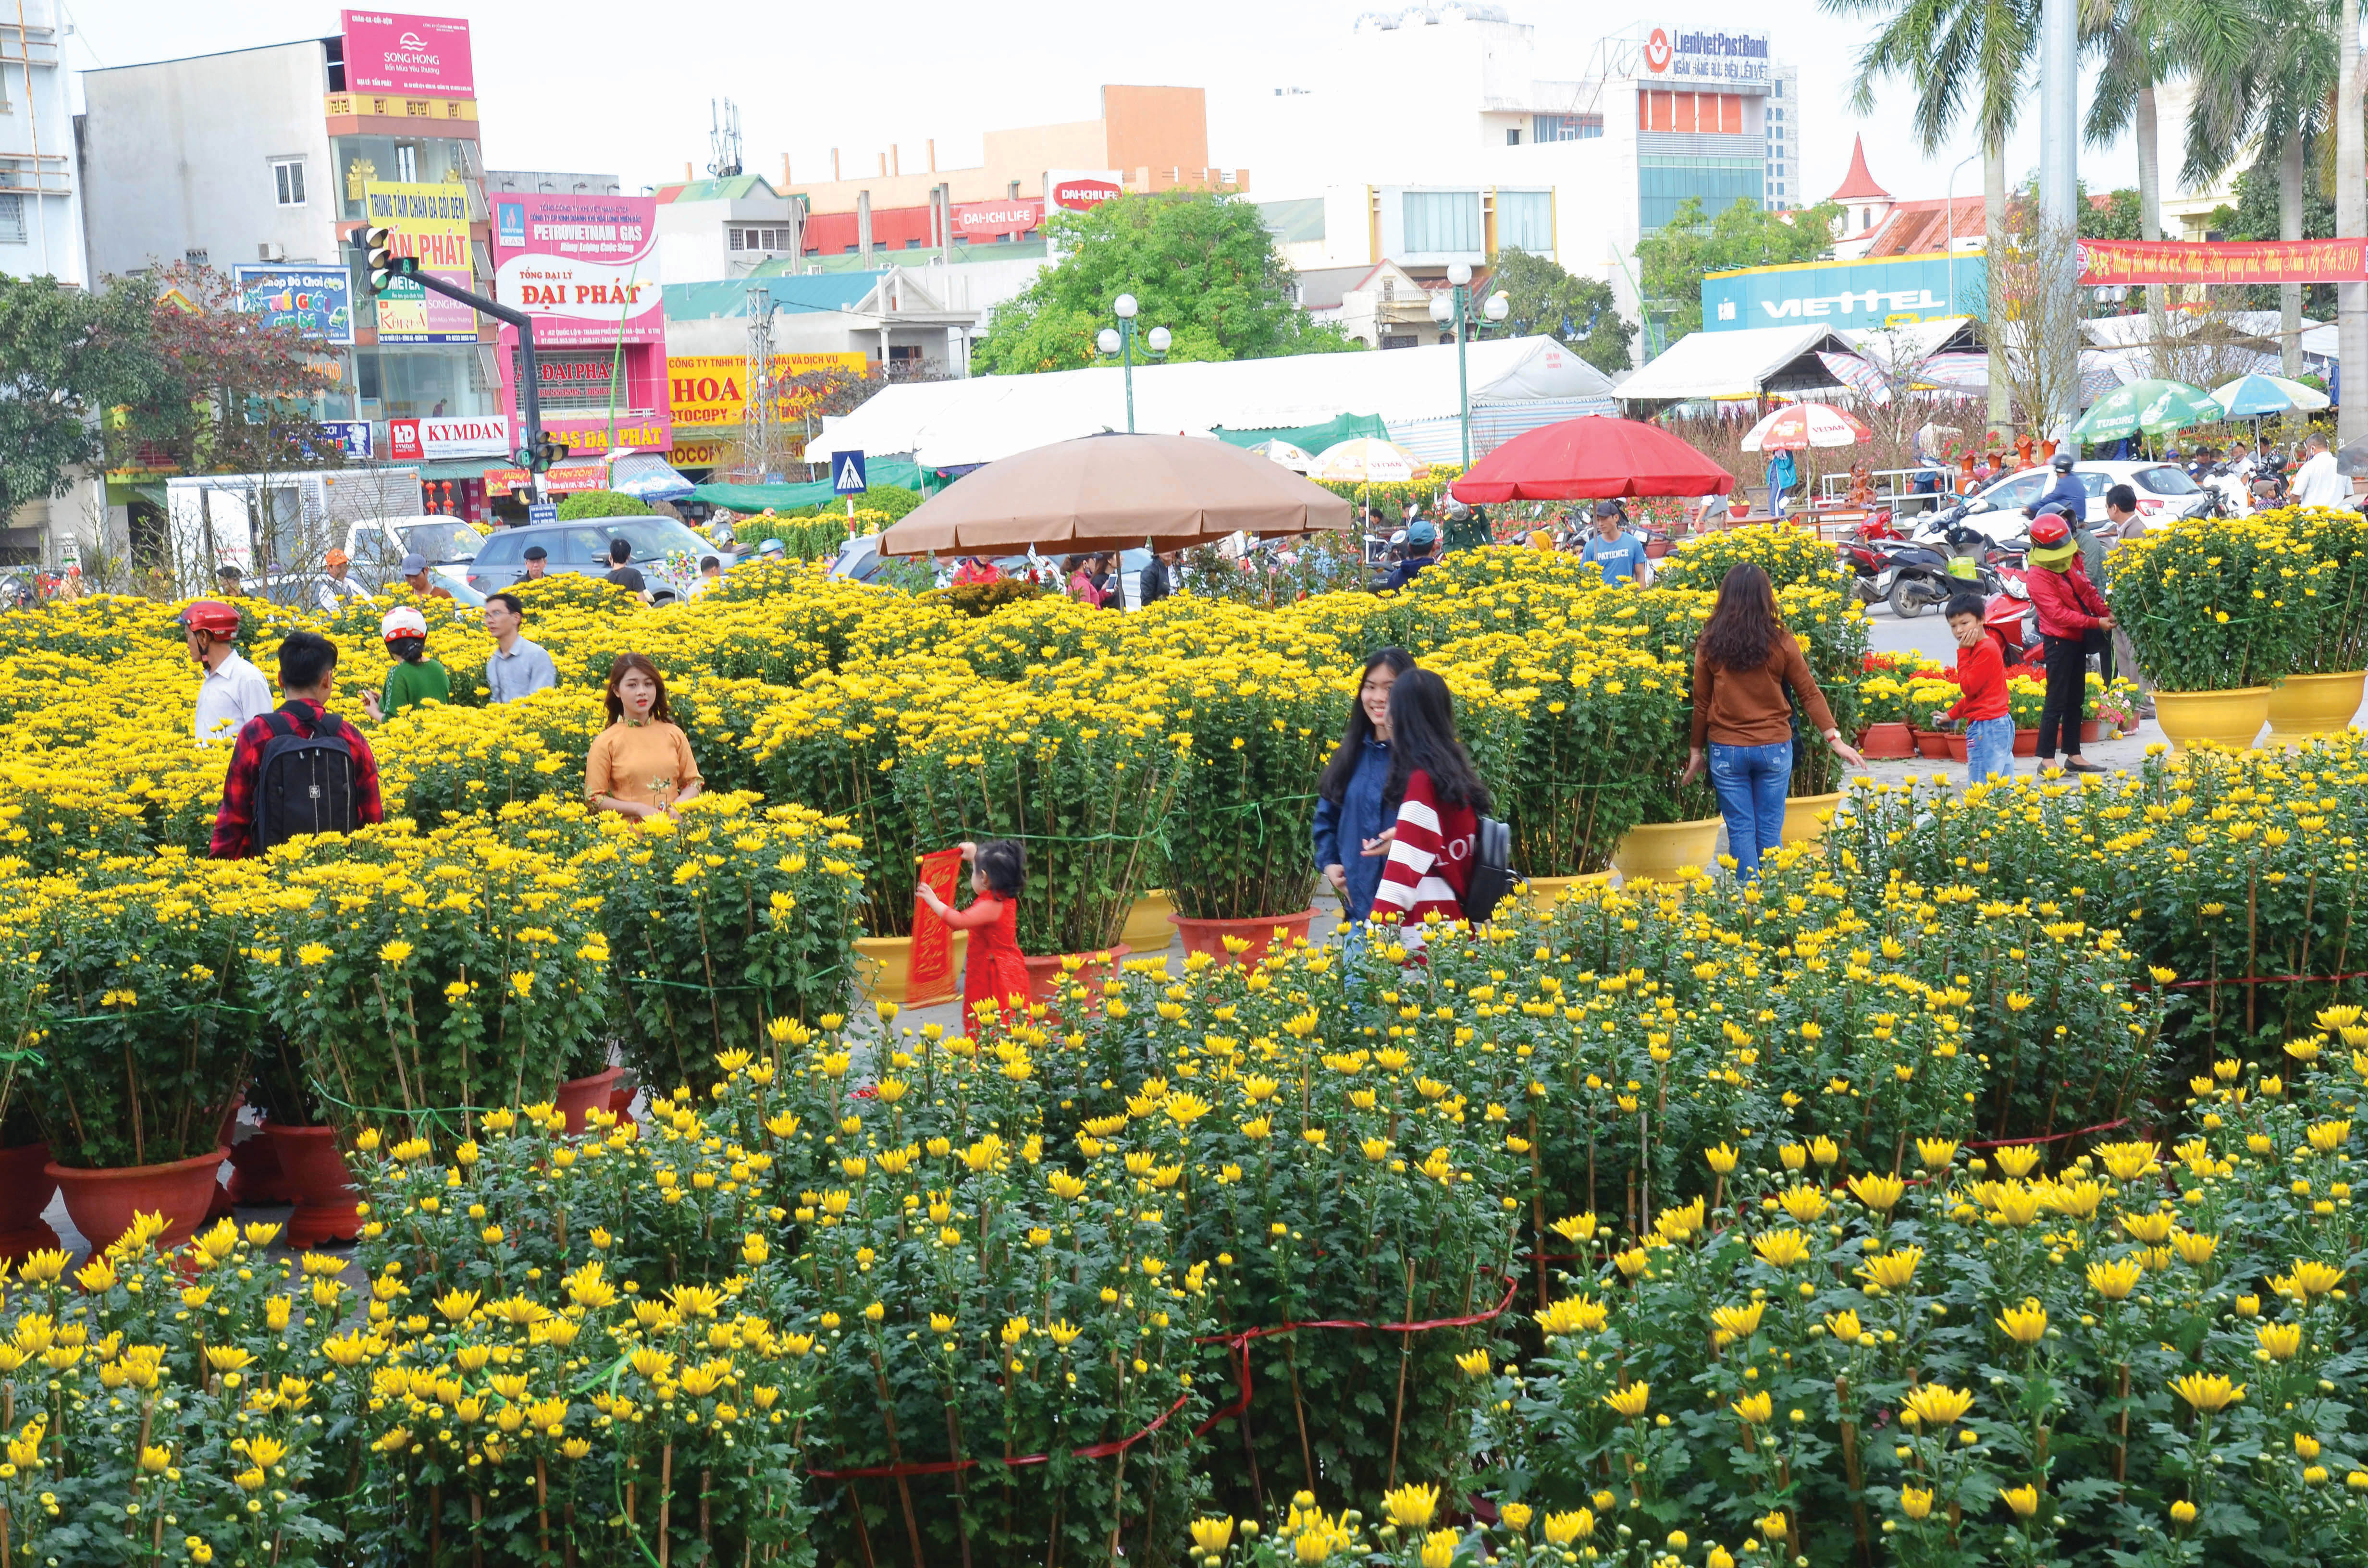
(2058, 338)
(760, 431)
(2352, 223)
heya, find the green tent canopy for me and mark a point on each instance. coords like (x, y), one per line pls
(745, 498)
(1310, 438)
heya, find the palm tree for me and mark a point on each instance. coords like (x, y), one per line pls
(1967, 59)
(2278, 96)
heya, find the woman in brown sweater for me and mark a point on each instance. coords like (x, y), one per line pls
(1744, 662)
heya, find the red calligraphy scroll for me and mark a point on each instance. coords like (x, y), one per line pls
(2231, 261)
(931, 976)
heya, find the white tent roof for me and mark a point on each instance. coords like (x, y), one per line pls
(1912, 342)
(1724, 364)
(2137, 328)
(986, 417)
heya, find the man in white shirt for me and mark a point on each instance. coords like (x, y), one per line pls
(2316, 482)
(233, 691)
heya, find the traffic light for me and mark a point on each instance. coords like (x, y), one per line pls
(383, 263)
(542, 455)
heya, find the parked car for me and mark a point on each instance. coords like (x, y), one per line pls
(306, 590)
(2165, 493)
(377, 545)
(580, 549)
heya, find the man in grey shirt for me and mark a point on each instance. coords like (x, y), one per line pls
(517, 667)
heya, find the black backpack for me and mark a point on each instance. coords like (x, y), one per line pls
(305, 783)
(1492, 869)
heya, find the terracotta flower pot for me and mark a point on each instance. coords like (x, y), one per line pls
(2228, 718)
(1931, 746)
(1957, 743)
(1048, 983)
(1658, 852)
(320, 1182)
(621, 1102)
(25, 1188)
(2314, 705)
(888, 970)
(1802, 813)
(577, 1095)
(2026, 742)
(1147, 930)
(2090, 730)
(1887, 743)
(1209, 935)
(102, 1202)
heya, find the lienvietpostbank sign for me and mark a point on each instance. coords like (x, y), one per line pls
(1847, 293)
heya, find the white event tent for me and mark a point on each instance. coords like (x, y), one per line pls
(1515, 382)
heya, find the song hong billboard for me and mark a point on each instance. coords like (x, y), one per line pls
(386, 52)
(584, 266)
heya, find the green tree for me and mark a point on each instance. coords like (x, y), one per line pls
(227, 393)
(1671, 261)
(2121, 216)
(71, 355)
(1203, 267)
(1579, 311)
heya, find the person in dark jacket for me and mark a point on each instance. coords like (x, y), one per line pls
(1154, 582)
(2072, 616)
(2067, 490)
(1422, 548)
(1350, 818)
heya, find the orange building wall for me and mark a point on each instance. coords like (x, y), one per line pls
(1161, 128)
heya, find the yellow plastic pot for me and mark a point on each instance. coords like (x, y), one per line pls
(1147, 930)
(1658, 852)
(885, 965)
(1547, 891)
(2224, 718)
(2314, 705)
(1800, 816)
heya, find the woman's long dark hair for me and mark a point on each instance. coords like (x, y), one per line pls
(625, 665)
(1422, 737)
(1333, 783)
(1745, 628)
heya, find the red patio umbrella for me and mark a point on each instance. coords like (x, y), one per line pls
(1588, 459)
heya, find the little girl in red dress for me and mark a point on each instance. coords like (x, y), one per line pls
(995, 971)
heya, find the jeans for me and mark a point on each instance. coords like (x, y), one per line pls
(1990, 749)
(1751, 782)
(2068, 694)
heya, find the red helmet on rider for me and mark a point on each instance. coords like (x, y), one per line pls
(2049, 532)
(212, 617)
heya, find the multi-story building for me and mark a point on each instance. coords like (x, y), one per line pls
(543, 182)
(1783, 114)
(1444, 134)
(41, 207)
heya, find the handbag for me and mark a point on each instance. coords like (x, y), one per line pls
(1492, 869)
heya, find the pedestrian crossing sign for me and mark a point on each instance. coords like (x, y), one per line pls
(847, 474)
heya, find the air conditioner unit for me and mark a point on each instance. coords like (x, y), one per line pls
(268, 251)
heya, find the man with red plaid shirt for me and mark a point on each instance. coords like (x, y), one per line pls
(308, 678)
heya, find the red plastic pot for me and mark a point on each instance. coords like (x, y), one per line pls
(1956, 744)
(2026, 742)
(1209, 935)
(1048, 983)
(621, 1102)
(1887, 743)
(578, 1095)
(320, 1183)
(1931, 746)
(25, 1188)
(255, 1173)
(2091, 730)
(102, 1202)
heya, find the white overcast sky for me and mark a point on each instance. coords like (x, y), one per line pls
(606, 87)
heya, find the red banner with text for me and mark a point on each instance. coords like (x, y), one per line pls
(2232, 261)
(930, 975)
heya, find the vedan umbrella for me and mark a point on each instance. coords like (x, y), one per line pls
(2152, 406)
(1366, 460)
(1112, 492)
(1588, 459)
(1804, 425)
(1295, 458)
(2248, 397)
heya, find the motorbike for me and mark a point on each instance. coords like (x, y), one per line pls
(1913, 578)
(2008, 620)
(2228, 492)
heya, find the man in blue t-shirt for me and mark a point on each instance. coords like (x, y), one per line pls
(1619, 552)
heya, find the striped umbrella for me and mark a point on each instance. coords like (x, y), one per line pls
(2248, 397)
(1806, 424)
(1366, 459)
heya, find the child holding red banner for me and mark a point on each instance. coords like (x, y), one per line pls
(993, 971)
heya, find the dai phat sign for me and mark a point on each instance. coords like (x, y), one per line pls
(584, 266)
(389, 53)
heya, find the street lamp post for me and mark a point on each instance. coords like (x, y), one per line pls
(1120, 340)
(1455, 306)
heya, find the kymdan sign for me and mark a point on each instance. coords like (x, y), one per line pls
(421, 440)
(1854, 293)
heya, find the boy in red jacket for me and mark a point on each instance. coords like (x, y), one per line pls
(2070, 615)
(1981, 673)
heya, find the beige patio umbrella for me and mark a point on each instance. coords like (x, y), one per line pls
(1114, 491)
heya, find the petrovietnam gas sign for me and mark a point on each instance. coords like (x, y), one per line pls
(584, 266)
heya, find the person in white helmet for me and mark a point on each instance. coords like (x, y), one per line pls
(416, 677)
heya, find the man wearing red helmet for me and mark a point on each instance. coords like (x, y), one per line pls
(233, 691)
(2071, 615)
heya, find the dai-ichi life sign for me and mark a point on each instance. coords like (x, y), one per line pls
(2223, 261)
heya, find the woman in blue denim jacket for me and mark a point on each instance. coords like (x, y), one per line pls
(1349, 819)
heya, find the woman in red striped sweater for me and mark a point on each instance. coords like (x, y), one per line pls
(1437, 798)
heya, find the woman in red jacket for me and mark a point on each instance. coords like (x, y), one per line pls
(2071, 615)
